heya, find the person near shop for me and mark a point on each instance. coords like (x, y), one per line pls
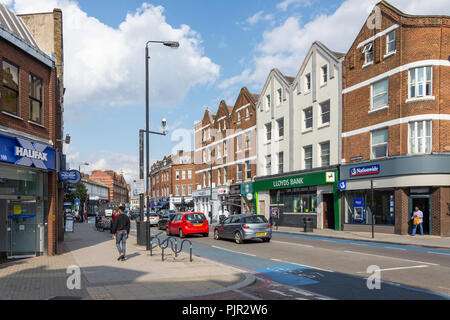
(121, 231)
(417, 218)
(85, 215)
(272, 216)
(113, 219)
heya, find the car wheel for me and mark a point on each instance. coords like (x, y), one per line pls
(216, 235)
(266, 240)
(238, 237)
(182, 235)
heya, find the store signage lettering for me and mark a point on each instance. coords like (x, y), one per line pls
(33, 154)
(287, 182)
(361, 171)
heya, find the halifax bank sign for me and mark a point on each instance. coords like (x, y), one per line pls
(24, 152)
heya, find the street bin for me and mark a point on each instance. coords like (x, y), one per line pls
(308, 224)
(141, 233)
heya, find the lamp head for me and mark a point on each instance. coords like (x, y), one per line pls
(172, 44)
(164, 125)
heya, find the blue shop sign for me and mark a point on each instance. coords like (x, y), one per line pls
(70, 176)
(367, 170)
(342, 185)
(24, 152)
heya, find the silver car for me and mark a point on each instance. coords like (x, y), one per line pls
(243, 227)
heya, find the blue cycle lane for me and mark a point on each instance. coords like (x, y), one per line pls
(326, 283)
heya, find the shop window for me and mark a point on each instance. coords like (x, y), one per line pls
(10, 89)
(295, 200)
(384, 207)
(35, 99)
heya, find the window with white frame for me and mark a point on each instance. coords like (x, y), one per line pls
(308, 116)
(268, 132)
(379, 144)
(219, 177)
(280, 95)
(307, 156)
(239, 171)
(177, 190)
(368, 53)
(390, 42)
(190, 174)
(183, 175)
(324, 74)
(247, 141)
(325, 154)
(204, 155)
(239, 143)
(248, 170)
(183, 190)
(280, 124)
(204, 179)
(268, 102)
(219, 151)
(420, 82)
(225, 175)
(308, 82)
(239, 117)
(189, 189)
(224, 125)
(380, 94)
(280, 162)
(324, 112)
(225, 149)
(247, 113)
(268, 165)
(177, 175)
(419, 133)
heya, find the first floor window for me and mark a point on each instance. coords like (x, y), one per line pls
(35, 99)
(177, 192)
(239, 143)
(268, 165)
(280, 162)
(189, 189)
(307, 151)
(379, 144)
(218, 177)
(225, 175)
(419, 137)
(247, 141)
(177, 175)
(248, 167)
(380, 93)
(268, 132)
(325, 154)
(308, 115)
(189, 174)
(325, 112)
(183, 189)
(239, 172)
(390, 42)
(280, 123)
(183, 175)
(10, 88)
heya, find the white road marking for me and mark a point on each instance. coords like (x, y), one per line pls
(280, 293)
(400, 268)
(445, 254)
(248, 254)
(376, 255)
(302, 292)
(302, 265)
(295, 244)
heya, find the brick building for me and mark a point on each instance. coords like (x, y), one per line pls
(172, 180)
(118, 192)
(30, 143)
(396, 122)
(225, 146)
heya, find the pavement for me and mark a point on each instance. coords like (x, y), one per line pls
(417, 240)
(102, 277)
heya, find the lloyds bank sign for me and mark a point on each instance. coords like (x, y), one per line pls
(298, 181)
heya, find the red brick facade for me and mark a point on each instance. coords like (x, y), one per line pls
(118, 191)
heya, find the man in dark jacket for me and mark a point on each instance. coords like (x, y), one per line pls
(121, 229)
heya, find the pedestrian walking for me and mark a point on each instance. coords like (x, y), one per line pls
(121, 231)
(85, 215)
(272, 216)
(417, 218)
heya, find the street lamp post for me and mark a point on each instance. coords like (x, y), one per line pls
(171, 44)
(79, 170)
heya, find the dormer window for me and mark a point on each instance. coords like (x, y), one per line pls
(308, 82)
(268, 102)
(280, 95)
(368, 52)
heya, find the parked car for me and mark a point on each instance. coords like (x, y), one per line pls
(164, 218)
(134, 215)
(187, 223)
(154, 218)
(163, 212)
(244, 227)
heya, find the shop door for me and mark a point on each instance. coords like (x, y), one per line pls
(22, 228)
(328, 211)
(423, 202)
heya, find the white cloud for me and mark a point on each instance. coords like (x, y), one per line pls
(285, 46)
(259, 16)
(284, 5)
(105, 66)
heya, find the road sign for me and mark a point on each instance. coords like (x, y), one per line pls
(342, 185)
(70, 176)
(139, 186)
(77, 202)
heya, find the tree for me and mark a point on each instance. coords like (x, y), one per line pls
(80, 194)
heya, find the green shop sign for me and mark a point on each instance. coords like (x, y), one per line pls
(306, 180)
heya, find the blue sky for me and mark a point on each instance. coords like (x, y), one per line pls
(225, 44)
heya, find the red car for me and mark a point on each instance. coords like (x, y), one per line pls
(187, 223)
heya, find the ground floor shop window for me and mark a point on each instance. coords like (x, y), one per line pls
(295, 200)
(357, 207)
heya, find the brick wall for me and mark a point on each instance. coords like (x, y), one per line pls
(401, 211)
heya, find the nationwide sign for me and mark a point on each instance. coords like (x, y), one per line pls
(367, 170)
(24, 152)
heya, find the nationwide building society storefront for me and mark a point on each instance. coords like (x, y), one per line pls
(24, 201)
(314, 194)
(399, 185)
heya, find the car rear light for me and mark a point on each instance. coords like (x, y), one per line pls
(245, 227)
(269, 226)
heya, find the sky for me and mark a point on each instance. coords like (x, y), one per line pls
(224, 45)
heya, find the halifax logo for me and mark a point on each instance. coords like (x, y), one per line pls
(31, 153)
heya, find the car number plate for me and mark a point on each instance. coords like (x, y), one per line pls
(261, 234)
(197, 225)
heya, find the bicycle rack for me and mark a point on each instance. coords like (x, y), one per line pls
(172, 241)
